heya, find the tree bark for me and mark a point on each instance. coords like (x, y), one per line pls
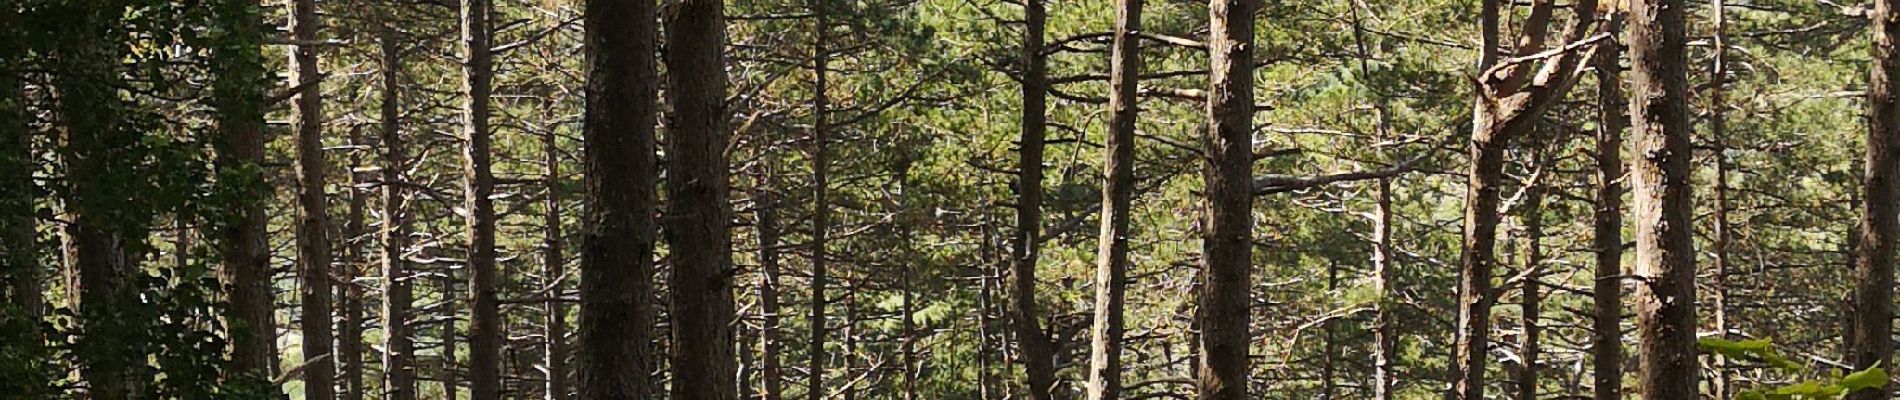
(821, 189)
(1665, 258)
(1038, 357)
(1384, 329)
(1530, 298)
(242, 243)
(350, 346)
(399, 380)
(313, 218)
(1606, 334)
(768, 236)
(698, 218)
(1880, 221)
(616, 285)
(1111, 272)
(478, 176)
(1225, 311)
(553, 275)
(1718, 106)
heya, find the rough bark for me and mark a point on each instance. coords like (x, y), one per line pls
(697, 223)
(1227, 233)
(1606, 333)
(479, 180)
(399, 380)
(616, 314)
(349, 341)
(313, 218)
(1038, 357)
(244, 257)
(1111, 271)
(1665, 253)
(1880, 220)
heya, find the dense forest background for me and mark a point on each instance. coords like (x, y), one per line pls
(947, 199)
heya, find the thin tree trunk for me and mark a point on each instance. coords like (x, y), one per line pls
(821, 204)
(1384, 329)
(1478, 256)
(244, 253)
(1111, 272)
(1035, 348)
(554, 273)
(1880, 222)
(1225, 311)
(313, 235)
(1531, 299)
(451, 384)
(698, 219)
(350, 346)
(616, 285)
(849, 302)
(908, 323)
(1718, 107)
(1329, 345)
(1606, 334)
(399, 380)
(985, 328)
(1665, 258)
(485, 323)
(768, 236)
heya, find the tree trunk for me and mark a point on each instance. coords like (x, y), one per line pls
(553, 275)
(1530, 299)
(1111, 272)
(88, 79)
(1478, 257)
(350, 346)
(1873, 272)
(821, 204)
(313, 218)
(1037, 356)
(451, 384)
(1384, 328)
(238, 93)
(485, 325)
(768, 236)
(1718, 106)
(908, 323)
(698, 219)
(399, 380)
(1606, 334)
(19, 239)
(1225, 311)
(616, 285)
(1665, 258)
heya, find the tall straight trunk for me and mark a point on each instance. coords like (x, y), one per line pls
(484, 328)
(1111, 271)
(451, 384)
(908, 323)
(616, 285)
(1606, 333)
(768, 236)
(86, 74)
(19, 247)
(821, 203)
(1665, 251)
(349, 343)
(1038, 356)
(313, 218)
(1227, 236)
(1873, 272)
(1478, 257)
(1384, 329)
(1718, 110)
(985, 320)
(241, 236)
(399, 380)
(698, 219)
(849, 302)
(554, 272)
(1530, 299)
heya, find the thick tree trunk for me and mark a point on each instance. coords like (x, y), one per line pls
(485, 324)
(1606, 334)
(399, 380)
(313, 218)
(616, 285)
(1038, 357)
(1111, 271)
(821, 203)
(349, 342)
(244, 254)
(698, 219)
(1227, 236)
(768, 236)
(553, 275)
(1478, 257)
(1665, 252)
(1880, 221)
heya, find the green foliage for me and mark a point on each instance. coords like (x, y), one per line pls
(1836, 386)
